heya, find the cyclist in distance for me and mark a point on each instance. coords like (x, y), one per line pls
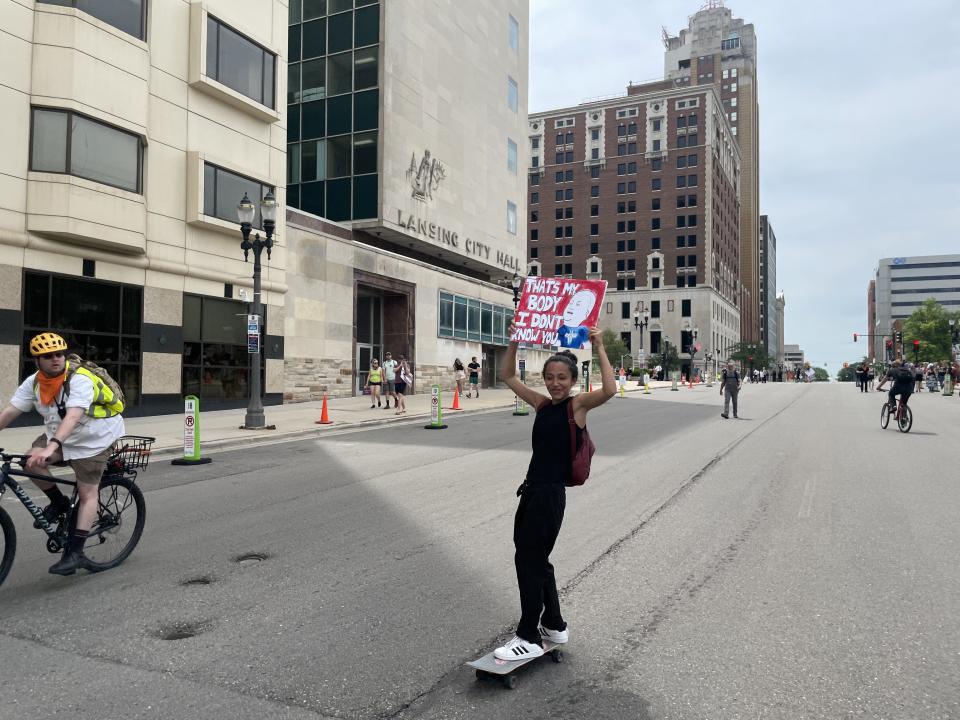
(902, 380)
(82, 421)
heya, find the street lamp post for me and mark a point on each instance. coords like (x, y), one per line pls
(949, 379)
(641, 325)
(520, 407)
(694, 333)
(666, 364)
(246, 211)
(707, 357)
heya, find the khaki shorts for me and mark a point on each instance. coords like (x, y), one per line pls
(88, 470)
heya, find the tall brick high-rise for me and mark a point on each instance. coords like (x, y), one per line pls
(721, 50)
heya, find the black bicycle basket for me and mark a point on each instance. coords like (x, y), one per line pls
(130, 452)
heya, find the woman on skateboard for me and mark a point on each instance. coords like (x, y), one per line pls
(543, 493)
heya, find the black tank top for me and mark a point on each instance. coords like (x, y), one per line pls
(550, 463)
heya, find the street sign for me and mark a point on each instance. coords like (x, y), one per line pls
(253, 334)
(641, 357)
(191, 436)
(436, 414)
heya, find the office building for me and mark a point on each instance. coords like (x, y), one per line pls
(406, 191)
(641, 191)
(768, 287)
(793, 357)
(902, 284)
(132, 131)
(781, 304)
(720, 50)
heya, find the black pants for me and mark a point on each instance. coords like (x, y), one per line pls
(535, 529)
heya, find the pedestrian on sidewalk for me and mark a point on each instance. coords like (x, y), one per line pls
(389, 380)
(460, 374)
(474, 367)
(543, 492)
(730, 389)
(404, 380)
(374, 382)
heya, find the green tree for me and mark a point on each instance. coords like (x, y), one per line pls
(820, 375)
(615, 348)
(930, 324)
(847, 374)
(751, 355)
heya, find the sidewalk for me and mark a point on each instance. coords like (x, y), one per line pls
(220, 429)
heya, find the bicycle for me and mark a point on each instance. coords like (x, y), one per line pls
(121, 510)
(903, 415)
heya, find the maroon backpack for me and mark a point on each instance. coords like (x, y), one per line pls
(582, 455)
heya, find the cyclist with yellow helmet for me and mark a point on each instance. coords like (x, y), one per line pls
(75, 435)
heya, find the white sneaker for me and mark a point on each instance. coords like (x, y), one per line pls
(557, 637)
(518, 649)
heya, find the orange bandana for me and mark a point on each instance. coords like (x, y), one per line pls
(50, 386)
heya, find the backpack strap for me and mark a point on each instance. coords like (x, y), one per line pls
(573, 429)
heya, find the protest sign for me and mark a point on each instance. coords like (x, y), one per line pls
(558, 311)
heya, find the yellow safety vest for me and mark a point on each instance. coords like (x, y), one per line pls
(105, 404)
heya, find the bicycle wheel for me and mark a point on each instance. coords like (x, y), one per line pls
(885, 416)
(119, 524)
(905, 421)
(8, 544)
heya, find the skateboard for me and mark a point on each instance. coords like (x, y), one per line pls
(490, 667)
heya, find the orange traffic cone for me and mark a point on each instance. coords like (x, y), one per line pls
(324, 415)
(456, 400)
(591, 387)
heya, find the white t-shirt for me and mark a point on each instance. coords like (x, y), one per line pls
(389, 370)
(91, 436)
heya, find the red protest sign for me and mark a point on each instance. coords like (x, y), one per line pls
(558, 311)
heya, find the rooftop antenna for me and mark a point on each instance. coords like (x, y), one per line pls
(711, 5)
(665, 37)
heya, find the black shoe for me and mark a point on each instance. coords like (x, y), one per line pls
(71, 561)
(53, 511)
(724, 416)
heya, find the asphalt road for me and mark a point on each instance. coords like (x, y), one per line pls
(797, 563)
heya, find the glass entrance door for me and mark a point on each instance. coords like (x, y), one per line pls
(369, 335)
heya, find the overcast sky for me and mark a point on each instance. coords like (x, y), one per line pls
(859, 149)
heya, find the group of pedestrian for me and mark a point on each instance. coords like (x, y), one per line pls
(460, 374)
(389, 380)
(865, 377)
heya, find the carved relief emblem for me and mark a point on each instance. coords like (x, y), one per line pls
(425, 176)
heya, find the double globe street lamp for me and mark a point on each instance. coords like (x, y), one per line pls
(640, 325)
(246, 212)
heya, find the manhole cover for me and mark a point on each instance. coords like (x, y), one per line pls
(180, 630)
(249, 558)
(203, 580)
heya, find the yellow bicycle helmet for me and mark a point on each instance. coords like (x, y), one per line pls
(47, 343)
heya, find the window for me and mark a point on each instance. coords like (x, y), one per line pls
(692, 121)
(655, 283)
(568, 213)
(513, 94)
(568, 194)
(568, 249)
(535, 234)
(568, 176)
(594, 248)
(681, 201)
(624, 311)
(535, 161)
(534, 198)
(594, 191)
(534, 179)
(654, 243)
(681, 121)
(685, 308)
(511, 156)
(239, 63)
(656, 144)
(656, 125)
(621, 188)
(656, 165)
(513, 33)
(681, 281)
(595, 134)
(654, 223)
(558, 269)
(558, 251)
(681, 181)
(568, 269)
(681, 141)
(594, 211)
(558, 158)
(691, 261)
(621, 265)
(691, 220)
(733, 87)
(511, 217)
(631, 264)
(681, 261)
(534, 253)
(631, 148)
(681, 240)
(621, 150)
(631, 225)
(534, 216)
(621, 246)
(621, 208)
(558, 176)
(621, 130)
(691, 240)
(631, 206)
(655, 184)
(631, 168)
(691, 280)
(621, 284)
(569, 137)
(621, 226)
(691, 160)
(594, 229)
(632, 129)
(594, 153)
(691, 200)
(568, 231)
(535, 143)
(594, 266)
(128, 16)
(568, 156)
(631, 245)
(558, 231)
(681, 221)
(681, 161)
(70, 143)
(632, 186)
(622, 169)
(655, 307)
(558, 196)
(595, 172)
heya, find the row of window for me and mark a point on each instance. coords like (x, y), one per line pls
(301, 10)
(334, 75)
(563, 195)
(465, 318)
(130, 16)
(339, 32)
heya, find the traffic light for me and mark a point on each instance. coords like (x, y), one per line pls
(889, 344)
(854, 337)
(916, 345)
(899, 338)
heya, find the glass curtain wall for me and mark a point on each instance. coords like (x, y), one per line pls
(333, 107)
(100, 321)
